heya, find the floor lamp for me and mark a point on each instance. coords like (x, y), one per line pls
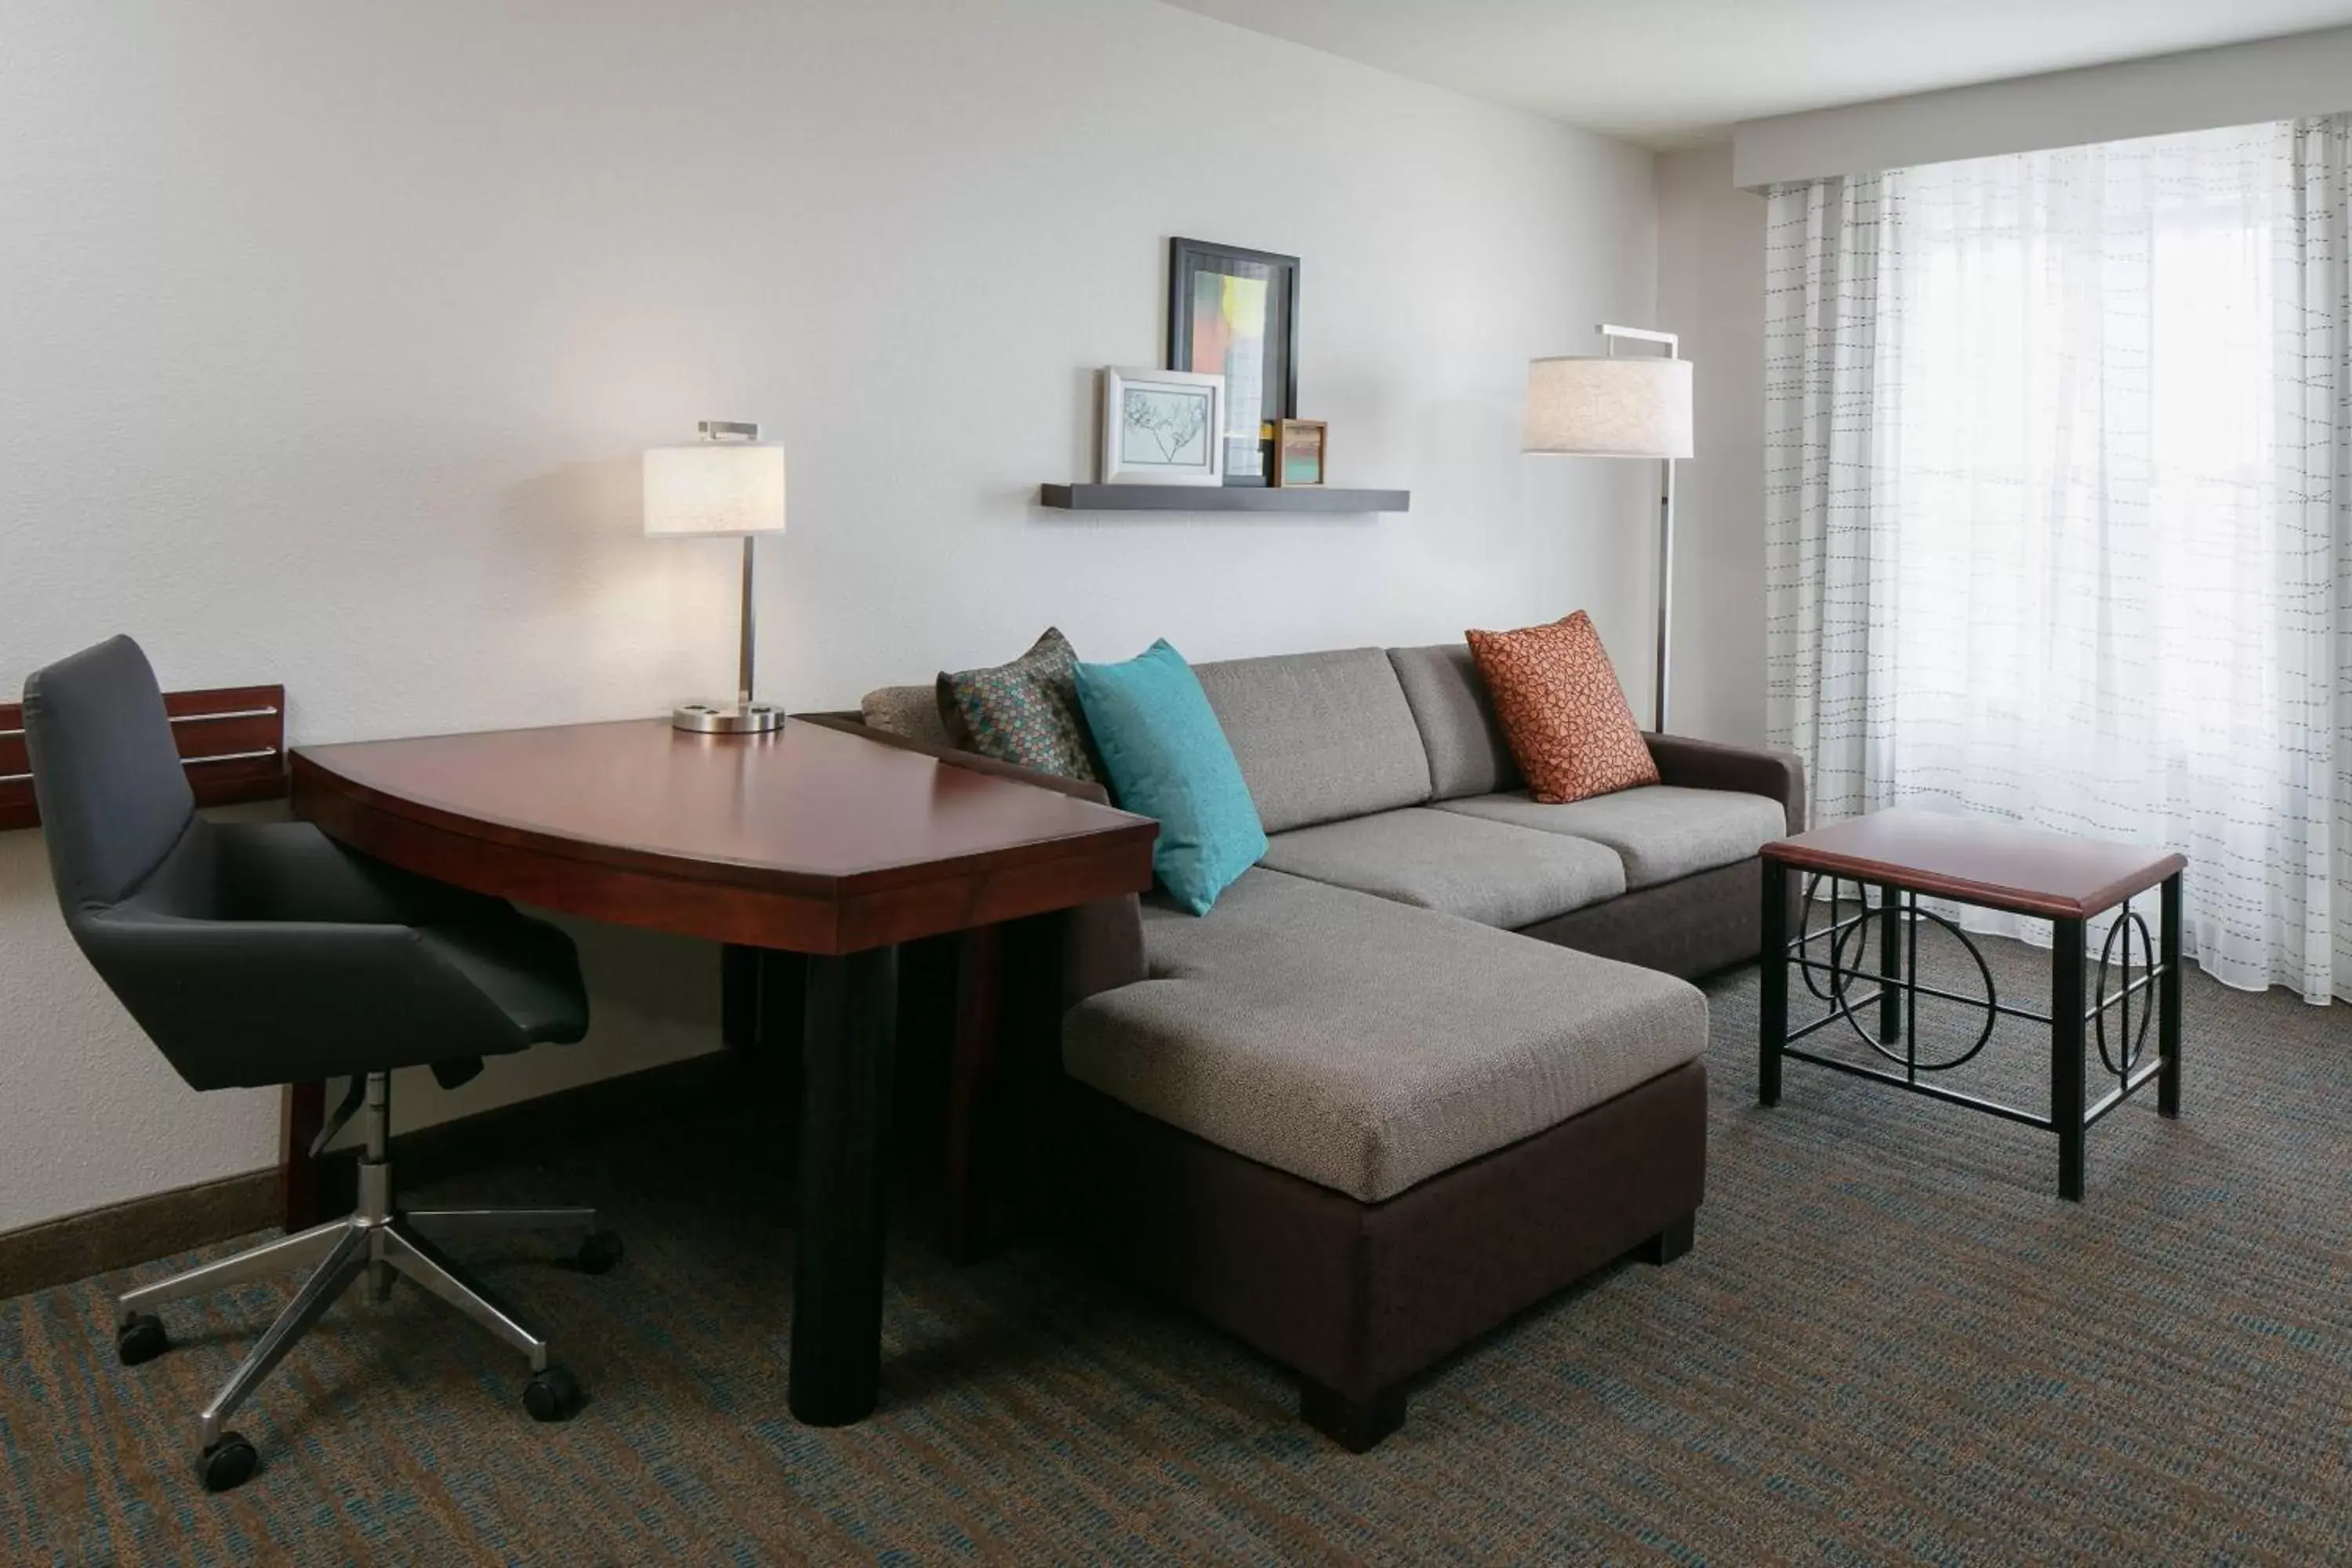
(1610, 406)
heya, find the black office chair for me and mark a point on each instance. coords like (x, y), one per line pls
(262, 953)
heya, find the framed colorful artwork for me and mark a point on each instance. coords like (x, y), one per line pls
(1235, 312)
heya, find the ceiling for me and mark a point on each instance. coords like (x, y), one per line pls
(1679, 73)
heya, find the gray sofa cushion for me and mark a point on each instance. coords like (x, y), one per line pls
(1319, 736)
(1490, 872)
(1660, 831)
(1366, 1045)
(1469, 753)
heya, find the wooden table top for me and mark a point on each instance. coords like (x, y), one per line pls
(807, 838)
(1996, 864)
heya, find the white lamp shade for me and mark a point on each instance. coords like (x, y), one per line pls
(715, 486)
(1599, 407)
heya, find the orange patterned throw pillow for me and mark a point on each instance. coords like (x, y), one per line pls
(1562, 710)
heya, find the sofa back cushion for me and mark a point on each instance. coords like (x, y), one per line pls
(1469, 753)
(1319, 736)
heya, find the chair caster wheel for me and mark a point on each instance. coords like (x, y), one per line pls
(141, 1339)
(228, 1463)
(598, 1253)
(553, 1395)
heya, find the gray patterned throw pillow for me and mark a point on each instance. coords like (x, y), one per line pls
(1025, 713)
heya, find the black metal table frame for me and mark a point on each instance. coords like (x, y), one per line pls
(2072, 1023)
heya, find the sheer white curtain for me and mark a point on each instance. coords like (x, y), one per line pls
(2059, 519)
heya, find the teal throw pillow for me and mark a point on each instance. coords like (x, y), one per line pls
(1168, 759)
(1025, 713)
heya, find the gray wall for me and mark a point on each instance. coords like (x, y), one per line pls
(1711, 290)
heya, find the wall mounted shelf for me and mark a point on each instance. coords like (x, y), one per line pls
(1220, 497)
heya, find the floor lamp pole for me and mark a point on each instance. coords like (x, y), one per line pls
(1665, 589)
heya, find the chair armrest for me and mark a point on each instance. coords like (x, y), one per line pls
(291, 871)
(1102, 947)
(1752, 770)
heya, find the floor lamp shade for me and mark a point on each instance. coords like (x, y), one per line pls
(1632, 406)
(1609, 407)
(716, 488)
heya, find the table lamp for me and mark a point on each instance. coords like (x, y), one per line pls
(1605, 406)
(729, 482)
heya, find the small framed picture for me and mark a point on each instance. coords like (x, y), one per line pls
(1162, 427)
(1298, 451)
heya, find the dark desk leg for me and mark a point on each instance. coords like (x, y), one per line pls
(302, 1110)
(739, 995)
(1772, 1005)
(849, 1043)
(2066, 1052)
(1890, 964)
(760, 1008)
(972, 1071)
(2168, 1003)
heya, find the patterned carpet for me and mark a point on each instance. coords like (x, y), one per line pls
(1893, 1343)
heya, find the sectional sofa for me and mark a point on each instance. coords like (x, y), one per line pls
(1432, 1060)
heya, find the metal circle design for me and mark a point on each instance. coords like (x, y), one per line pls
(1841, 977)
(1805, 933)
(1837, 941)
(2124, 926)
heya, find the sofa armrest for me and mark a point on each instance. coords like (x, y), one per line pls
(1752, 770)
(1102, 947)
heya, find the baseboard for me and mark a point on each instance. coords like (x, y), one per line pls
(76, 1245)
(97, 1241)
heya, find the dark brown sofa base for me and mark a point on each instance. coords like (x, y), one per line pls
(1360, 1297)
(1689, 927)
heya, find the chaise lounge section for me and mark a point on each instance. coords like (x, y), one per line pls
(1433, 1058)
(1358, 1135)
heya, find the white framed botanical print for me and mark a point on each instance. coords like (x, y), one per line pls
(1162, 427)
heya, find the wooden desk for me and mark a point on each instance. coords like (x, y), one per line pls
(806, 840)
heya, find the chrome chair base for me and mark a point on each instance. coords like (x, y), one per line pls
(383, 1243)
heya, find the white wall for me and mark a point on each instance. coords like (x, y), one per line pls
(330, 335)
(2238, 84)
(1711, 291)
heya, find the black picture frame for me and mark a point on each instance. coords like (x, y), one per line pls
(1246, 463)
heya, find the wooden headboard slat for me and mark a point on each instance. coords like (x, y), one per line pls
(231, 739)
